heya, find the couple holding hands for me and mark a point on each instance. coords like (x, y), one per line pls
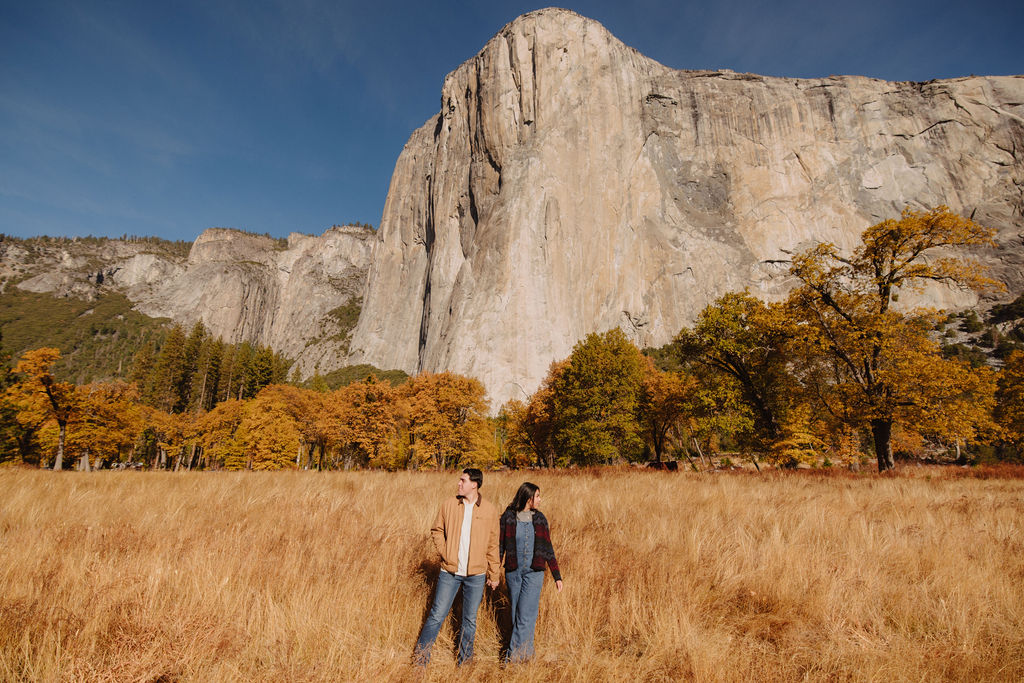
(474, 543)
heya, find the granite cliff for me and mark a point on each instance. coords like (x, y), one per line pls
(299, 297)
(569, 185)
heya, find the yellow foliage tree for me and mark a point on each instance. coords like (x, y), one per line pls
(742, 343)
(444, 412)
(799, 443)
(171, 431)
(875, 354)
(668, 400)
(216, 432)
(109, 422)
(1010, 401)
(39, 394)
(366, 420)
(269, 432)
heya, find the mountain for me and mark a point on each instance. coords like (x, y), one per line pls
(299, 296)
(569, 185)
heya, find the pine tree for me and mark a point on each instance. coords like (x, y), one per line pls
(163, 388)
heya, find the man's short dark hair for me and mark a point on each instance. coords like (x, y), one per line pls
(475, 475)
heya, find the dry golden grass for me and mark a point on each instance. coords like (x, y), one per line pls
(326, 577)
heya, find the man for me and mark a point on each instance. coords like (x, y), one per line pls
(466, 536)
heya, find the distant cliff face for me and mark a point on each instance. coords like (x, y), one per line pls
(243, 287)
(570, 185)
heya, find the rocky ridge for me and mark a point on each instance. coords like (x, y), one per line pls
(569, 185)
(294, 297)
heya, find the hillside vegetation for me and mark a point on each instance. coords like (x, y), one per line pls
(668, 577)
(98, 339)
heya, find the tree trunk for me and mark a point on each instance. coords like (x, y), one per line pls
(753, 459)
(696, 442)
(58, 464)
(881, 431)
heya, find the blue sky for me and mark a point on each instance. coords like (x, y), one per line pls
(166, 118)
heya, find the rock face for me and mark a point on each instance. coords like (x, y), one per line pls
(295, 298)
(570, 184)
(253, 290)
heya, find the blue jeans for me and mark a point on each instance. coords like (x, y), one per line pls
(524, 586)
(444, 595)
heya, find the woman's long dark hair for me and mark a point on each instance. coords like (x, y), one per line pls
(523, 496)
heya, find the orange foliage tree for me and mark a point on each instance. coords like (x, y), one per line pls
(216, 433)
(269, 432)
(365, 420)
(109, 422)
(445, 416)
(531, 425)
(1009, 413)
(40, 396)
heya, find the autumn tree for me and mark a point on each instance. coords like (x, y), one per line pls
(741, 340)
(41, 395)
(167, 434)
(798, 441)
(1009, 412)
(269, 432)
(108, 423)
(531, 426)
(875, 354)
(519, 451)
(667, 401)
(216, 433)
(595, 401)
(444, 415)
(365, 420)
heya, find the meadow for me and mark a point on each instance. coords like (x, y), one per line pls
(300, 576)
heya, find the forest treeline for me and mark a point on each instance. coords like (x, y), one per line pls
(836, 374)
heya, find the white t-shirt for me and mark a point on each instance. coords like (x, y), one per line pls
(467, 525)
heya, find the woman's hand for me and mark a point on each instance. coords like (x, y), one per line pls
(558, 585)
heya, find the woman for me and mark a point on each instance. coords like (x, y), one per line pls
(526, 548)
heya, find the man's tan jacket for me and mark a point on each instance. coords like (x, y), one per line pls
(483, 537)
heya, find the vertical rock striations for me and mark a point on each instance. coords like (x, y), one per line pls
(570, 184)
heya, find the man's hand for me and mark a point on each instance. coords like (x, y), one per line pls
(493, 584)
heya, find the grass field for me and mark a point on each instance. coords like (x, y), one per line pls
(122, 576)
